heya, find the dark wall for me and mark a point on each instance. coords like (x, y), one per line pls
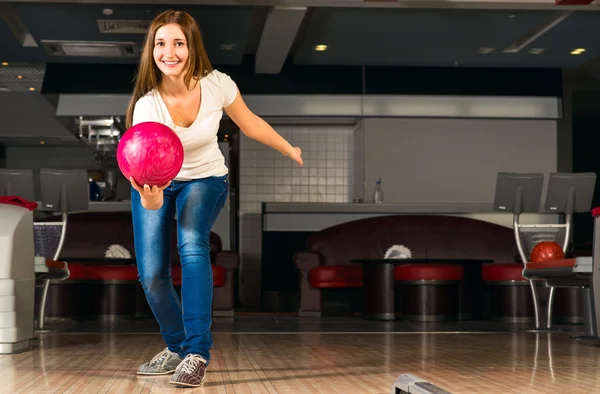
(293, 79)
(2, 156)
(586, 157)
(234, 185)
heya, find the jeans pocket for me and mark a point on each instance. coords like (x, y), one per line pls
(222, 179)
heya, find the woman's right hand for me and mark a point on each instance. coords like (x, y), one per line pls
(152, 197)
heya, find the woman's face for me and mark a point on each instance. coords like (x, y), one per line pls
(170, 50)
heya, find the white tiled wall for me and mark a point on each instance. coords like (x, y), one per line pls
(326, 176)
(265, 175)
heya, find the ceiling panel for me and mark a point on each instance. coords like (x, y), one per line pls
(580, 30)
(355, 36)
(63, 21)
(431, 37)
(11, 49)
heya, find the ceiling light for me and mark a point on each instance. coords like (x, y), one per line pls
(321, 47)
(5, 63)
(486, 50)
(107, 11)
(577, 51)
(32, 89)
(19, 77)
(42, 142)
(228, 47)
(537, 51)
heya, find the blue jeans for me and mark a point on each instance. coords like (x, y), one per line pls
(185, 326)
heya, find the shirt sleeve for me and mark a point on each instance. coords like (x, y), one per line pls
(229, 89)
(144, 111)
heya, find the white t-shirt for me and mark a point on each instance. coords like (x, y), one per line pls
(202, 156)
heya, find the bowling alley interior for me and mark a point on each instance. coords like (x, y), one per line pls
(440, 235)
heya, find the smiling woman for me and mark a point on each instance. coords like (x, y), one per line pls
(173, 60)
(171, 55)
(177, 86)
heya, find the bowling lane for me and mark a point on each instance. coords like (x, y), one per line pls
(279, 354)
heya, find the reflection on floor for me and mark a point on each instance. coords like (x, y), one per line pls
(267, 323)
(284, 354)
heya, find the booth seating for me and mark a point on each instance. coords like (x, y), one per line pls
(326, 273)
(109, 288)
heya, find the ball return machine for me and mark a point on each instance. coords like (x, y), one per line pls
(567, 194)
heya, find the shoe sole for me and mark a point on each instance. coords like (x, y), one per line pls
(187, 384)
(156, 373)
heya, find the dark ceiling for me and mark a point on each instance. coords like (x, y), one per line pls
(442, 36)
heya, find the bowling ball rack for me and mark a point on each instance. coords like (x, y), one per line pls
(566, 194)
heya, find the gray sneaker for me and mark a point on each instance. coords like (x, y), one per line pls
(163, 363)
(190, 372)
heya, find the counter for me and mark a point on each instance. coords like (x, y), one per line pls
(317, 216)
(102, 206)
(110, 206)
(283, 207)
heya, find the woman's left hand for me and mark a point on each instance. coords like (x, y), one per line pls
(296, 155)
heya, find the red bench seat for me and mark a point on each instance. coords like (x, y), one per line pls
(429, 272)
(500, 272)
(103, 272)
(344, 276)
(336, 276)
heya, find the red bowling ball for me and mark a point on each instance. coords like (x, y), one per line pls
(151, 153)
(546, 250)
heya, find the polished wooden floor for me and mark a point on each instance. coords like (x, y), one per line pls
(271, 360)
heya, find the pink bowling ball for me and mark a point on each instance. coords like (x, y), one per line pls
(151, 153)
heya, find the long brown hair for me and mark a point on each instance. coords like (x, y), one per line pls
(149, 76)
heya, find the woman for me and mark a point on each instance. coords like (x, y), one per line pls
(176, 85)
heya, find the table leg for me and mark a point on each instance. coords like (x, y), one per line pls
(379, 291)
